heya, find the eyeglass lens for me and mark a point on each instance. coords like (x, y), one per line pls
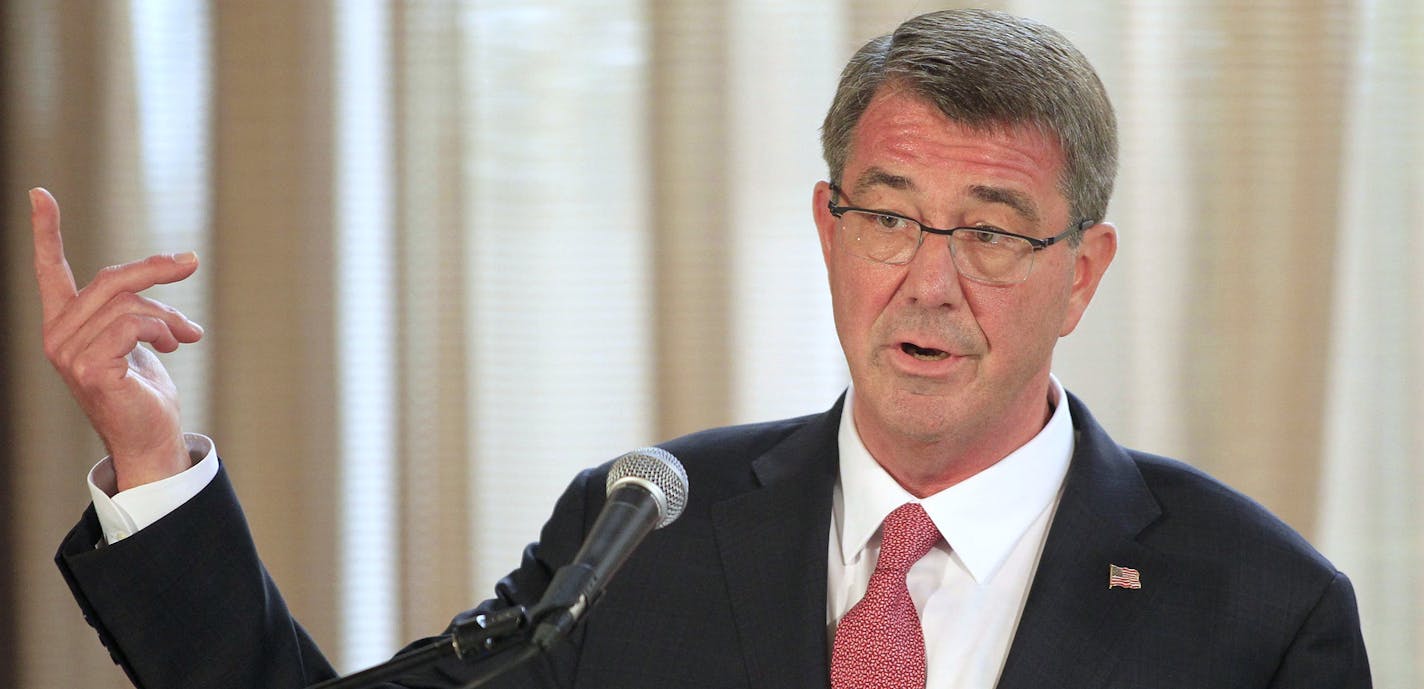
(984, 256)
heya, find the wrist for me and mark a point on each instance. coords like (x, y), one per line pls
(132, 469)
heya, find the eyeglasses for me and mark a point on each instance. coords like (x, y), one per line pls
(983, 253)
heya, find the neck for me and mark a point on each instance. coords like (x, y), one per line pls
(924, 466)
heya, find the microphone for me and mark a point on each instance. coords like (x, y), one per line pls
(646, 489)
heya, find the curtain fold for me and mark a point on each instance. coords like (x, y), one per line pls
(1371, 524)
(556, 246)
(432, 109)
(786, 360)
(72, 124)
(511, 239)
(690, 217)
(272, 333)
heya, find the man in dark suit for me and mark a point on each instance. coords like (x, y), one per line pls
(957, 519)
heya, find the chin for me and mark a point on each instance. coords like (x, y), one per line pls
(923, 417)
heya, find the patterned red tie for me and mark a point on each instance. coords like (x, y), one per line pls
(879, 644)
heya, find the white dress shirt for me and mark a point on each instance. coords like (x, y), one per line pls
(122, 514)
(970, 589)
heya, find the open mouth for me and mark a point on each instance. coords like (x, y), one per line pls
(923, 353)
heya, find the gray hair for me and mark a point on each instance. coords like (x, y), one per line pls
(986, 70)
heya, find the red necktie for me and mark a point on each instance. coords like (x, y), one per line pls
(879, 644)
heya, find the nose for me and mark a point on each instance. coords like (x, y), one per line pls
(932, 280)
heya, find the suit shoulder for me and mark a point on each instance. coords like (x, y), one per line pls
(722, 461)
(744, 440)
(1203, 513)
(720, 453)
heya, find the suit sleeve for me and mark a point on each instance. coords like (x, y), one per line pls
(187, 602)
(1328, 651)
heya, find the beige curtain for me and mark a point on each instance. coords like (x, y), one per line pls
(74, 121)
(1369, 516)
(454, 251)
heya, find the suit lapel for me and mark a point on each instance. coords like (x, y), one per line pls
(773, 543)
(1072, 620)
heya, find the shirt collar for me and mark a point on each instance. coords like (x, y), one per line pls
(982, 517)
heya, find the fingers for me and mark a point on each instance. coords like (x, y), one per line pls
(127, 305)
(66, 309)
(127, 278)
(113, 326)
(51, 269)
(104, 362)
(89, 333)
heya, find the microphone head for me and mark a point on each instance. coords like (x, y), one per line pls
(656, 470)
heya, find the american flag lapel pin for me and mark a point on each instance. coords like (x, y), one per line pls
(1124, 577)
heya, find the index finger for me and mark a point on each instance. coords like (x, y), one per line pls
(51, 269)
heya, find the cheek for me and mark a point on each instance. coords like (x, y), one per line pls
(991, 309)
(860, 292)
(1019, 321)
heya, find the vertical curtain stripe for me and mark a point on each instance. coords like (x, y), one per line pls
(366, 338)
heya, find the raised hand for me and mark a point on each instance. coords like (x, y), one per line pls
(92, 337)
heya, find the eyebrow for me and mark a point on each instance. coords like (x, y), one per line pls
(1016, 200)
(874, 176)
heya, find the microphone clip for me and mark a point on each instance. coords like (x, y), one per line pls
(569, 595)
(486, 634)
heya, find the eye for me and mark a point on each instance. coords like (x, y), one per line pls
(889, 222)
(986, 235)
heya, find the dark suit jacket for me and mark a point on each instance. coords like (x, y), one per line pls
(733, 594)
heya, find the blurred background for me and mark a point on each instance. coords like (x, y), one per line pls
(455, 251)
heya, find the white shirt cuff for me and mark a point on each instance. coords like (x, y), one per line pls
(123, 514)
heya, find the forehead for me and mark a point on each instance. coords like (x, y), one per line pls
(904, 142)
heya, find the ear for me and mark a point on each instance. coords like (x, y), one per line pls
(825, 222)
(1096, 251)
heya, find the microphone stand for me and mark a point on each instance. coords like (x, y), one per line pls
(635, 505)
(481, 637)
(484, 636)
